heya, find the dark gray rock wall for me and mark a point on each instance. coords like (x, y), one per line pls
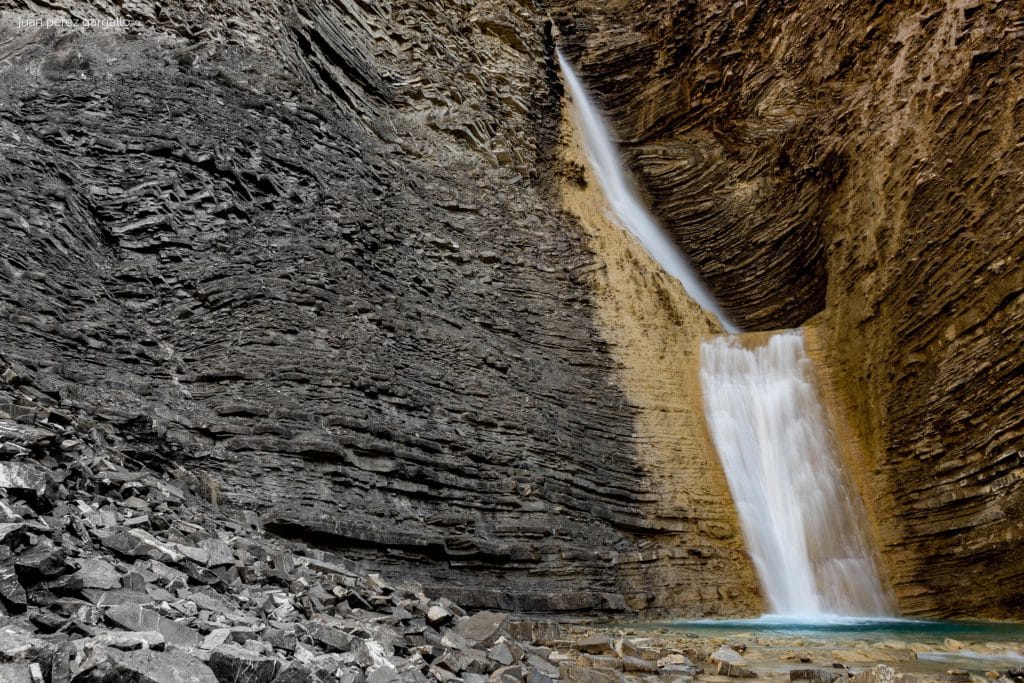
(308, 251)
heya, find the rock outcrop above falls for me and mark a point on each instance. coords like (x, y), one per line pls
(308, 251)
(860, 161)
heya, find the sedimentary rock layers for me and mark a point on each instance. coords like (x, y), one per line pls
(309, 252)
(654, 330)
(863, 160)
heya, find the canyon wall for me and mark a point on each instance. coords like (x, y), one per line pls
(859, 164)
(309, 258)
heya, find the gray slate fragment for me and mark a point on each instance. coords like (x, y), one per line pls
(11, 590)
(92, 573)
(220, 553)
(41, 561)
(25, 478)
(233, 664)
(137, 618)
(138, 543)
(331, 639)
(122, 640)
(16, 672)
(148, 666)
(483, 628)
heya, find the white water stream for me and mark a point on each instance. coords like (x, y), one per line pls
(625, 202)
(802, 522)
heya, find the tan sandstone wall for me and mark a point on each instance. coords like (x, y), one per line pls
(695, 563)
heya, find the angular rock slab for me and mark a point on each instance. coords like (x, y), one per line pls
(147, 666)
(483, 628)
(233, 664)
(135, 617)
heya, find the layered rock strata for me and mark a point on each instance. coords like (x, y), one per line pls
(307, 251)
(654, 331)
(860, 161)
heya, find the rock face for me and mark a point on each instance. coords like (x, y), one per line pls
(307, 252)
(862, 163)
(225, 602)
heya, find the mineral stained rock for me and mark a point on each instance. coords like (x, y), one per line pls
(309, 257)
(859, 162)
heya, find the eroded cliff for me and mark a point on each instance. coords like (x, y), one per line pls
(308, 252)
(862, 162)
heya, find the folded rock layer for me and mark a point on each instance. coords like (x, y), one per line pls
(859, 162)
(310, 252)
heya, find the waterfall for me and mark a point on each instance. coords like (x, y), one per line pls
(627, 207)
(802, 522)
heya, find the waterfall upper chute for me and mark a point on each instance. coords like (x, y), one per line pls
(803, 524)
(628, 209)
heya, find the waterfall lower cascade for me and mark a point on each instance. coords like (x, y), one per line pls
(802, 523)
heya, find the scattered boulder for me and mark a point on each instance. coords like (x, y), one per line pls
(730, 663)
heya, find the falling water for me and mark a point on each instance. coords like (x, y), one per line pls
(802, 523)
(625, 203)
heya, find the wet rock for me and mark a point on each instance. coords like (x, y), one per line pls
(233, 664)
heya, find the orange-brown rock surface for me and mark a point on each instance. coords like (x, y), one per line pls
(863, 162)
